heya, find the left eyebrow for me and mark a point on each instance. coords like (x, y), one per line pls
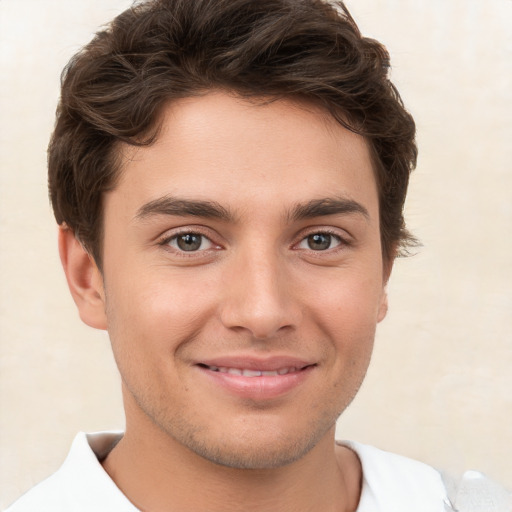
(327, 206)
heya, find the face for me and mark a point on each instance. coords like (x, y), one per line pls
(243, 277)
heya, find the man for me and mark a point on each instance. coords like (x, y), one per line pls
(229, 179)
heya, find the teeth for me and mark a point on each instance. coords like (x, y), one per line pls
(252, 373)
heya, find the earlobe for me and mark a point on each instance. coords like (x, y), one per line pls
(84, 279)
(383, 306)
(388, 267)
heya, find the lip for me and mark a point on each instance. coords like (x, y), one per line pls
(260, 388)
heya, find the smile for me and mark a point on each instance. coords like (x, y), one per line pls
(254, 379)
(247, 372)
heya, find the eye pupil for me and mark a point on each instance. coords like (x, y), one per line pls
(189, 242)
(319, 241)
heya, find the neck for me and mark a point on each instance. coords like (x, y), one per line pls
(156, 473)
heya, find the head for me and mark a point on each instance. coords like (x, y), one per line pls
(231, 175)
(114, 90)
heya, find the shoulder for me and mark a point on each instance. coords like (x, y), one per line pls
(394, 482)
(47, 496)
(81, 484)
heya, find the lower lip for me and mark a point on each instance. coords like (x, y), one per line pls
(264, 387)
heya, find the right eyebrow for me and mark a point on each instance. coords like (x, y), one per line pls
(169, 205)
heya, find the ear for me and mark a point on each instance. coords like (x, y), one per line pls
(387, 268)
(383, 306)
(84, 279)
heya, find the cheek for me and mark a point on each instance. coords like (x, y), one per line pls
(156, 310)
(347, 313)
(349, 301)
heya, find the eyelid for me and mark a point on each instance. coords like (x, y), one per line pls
(174, 243)
(171, 234)
(332, 238)
(327, 230)
(344, 237)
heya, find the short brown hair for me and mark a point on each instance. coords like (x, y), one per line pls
(161, 50)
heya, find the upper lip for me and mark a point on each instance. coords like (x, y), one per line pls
(272, 363)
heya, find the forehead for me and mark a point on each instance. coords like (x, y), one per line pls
(222, 147)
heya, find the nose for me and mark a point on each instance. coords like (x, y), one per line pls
(260, 297)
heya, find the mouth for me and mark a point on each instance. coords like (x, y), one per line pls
(255, 379)
(249, 372)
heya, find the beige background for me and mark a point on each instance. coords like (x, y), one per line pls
(439, 387)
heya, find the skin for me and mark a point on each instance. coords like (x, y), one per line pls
(258, 285)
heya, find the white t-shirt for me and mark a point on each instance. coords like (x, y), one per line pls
(391, 483)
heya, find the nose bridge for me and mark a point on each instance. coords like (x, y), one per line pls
(259, 298)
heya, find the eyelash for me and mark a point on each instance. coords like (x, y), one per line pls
(166, 241)
(343, 242)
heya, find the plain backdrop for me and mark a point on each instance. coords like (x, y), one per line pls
(439, 386)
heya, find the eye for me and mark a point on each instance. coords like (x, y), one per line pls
(190, 242)
(320, 242)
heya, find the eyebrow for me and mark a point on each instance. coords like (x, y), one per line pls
(327, 206)
(169, 205)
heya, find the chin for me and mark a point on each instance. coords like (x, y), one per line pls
(264, 447)
(250, 455)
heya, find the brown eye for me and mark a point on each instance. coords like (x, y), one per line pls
(190, 242)
(319, 241)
